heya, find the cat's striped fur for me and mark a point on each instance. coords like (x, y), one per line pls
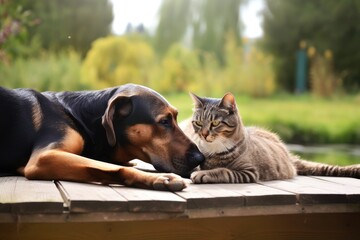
(238, 154)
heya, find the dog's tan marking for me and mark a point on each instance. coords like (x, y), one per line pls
(140, 134)
(72, 142)
(37, 116)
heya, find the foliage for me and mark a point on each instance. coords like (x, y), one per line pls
(14, 25)
(210, 32)
(180, 70)
(328, 24)
(193, 22)
(324, 81)
(248, 72)
(48, 71)
(69, 23)
(117, 60)
(173, 22)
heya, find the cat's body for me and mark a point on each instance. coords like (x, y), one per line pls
(238, 154)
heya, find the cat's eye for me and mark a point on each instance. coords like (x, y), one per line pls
(198, 123)
(215, 123)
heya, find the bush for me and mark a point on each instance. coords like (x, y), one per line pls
(324, 81)
(180, 70)
(248, 70)
(48, 72)
(117, 60)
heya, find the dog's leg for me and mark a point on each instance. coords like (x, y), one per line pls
(64, 163)
(59, 165)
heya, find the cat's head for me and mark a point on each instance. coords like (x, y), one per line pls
(215, 119)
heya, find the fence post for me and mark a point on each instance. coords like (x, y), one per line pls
(301, 69)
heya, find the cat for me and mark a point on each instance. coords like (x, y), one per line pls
(238, 154)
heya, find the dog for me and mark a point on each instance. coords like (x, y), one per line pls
(90, 136)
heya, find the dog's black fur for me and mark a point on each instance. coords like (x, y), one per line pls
(33, 122)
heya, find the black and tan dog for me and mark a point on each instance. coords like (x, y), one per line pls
(85, 136)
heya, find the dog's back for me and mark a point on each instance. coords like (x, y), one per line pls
(16, 135)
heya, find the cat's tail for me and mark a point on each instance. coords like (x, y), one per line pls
(304, 167)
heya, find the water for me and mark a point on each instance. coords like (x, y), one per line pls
(331, 154)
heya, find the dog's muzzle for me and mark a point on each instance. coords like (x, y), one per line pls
(182, 166)
(194, 158)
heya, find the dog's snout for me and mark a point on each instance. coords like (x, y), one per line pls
(195, 157)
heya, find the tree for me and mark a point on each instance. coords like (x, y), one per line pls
(69, 23)
(15, 23)
(174, 21)
(215, 20)
(203, 24)
(327, 25)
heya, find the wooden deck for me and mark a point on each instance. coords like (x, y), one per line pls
(300, 208)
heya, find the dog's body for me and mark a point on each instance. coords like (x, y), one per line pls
(84, 136)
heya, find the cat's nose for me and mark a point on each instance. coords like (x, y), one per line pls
(205, 133)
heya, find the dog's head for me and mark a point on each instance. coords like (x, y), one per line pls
(141, 124)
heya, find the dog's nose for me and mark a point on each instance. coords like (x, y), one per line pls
(195, 157)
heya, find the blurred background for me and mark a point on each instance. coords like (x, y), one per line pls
(294, 66)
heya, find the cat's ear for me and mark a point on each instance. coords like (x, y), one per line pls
(198, 103)
(228, 101)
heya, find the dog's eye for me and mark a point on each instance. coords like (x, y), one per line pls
(167, 122)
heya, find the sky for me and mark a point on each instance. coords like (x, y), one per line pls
(128, 11)
(250, 15)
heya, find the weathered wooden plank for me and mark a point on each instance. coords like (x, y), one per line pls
(307, 191)
(37, 196)
(83, 197)
(7, 188)
(257, 194)
(341, 180)
(27, 196)
(143, 200)
(210, 195)
(351, 194)
(350, 186)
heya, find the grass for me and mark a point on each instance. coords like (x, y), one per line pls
(331, 157)
(297, 119)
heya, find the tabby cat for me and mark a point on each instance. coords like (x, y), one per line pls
(238, 154)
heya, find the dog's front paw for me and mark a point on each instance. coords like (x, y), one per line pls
(169, 182)
(201, 177)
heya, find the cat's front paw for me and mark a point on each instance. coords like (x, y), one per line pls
(201, 177)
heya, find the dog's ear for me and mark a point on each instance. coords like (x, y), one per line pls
(122, 105)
